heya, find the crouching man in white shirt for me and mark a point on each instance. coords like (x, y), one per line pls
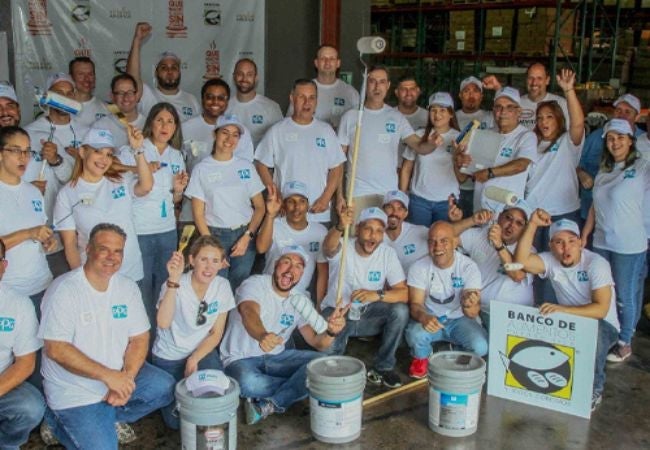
(272, 377)
(96, 337)
(582, 281)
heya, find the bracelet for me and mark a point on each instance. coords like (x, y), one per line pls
(172, 284)
(340, 230)
(57, 163)
(569, 90)
(138, 152)
(249, 233)
(498, 249)
(330, 334)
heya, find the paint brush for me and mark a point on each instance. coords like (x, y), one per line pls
(188, 231)
(119, 115)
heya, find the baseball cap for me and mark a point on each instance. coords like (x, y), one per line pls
(372, 213)
(510, 93)
(56, 77)
(229, 119)
(631, 100)
(295, 250)
(167, 54)
(98, 138)
(564, 225)
(471, 80)
(8, 91)
(521, 205)
(441, 99)
(206, 381)
(396, 195)
(619, 126)
(295, 188)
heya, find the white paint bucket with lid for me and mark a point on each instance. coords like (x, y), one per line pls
(336, 385)
(208, 422)
(455, 383)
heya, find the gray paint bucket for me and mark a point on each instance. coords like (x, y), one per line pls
(455, 383)
(208, 422)
(336, 385)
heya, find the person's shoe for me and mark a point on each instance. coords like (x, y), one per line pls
(257, 411)
(596, 399)
(125, 433)
(390, 379)
(620, 353)
(374, 377)
(47, 435)
(419, 367)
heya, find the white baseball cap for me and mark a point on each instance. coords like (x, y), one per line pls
(295, 188)
(98, 138)
(441, 99)
(619, 126)
(295, 250)
(564, 225)
(167, 54)
(372, 213)
(471, 80)
(631, 100)
(8, 91)
(229, 119)
(56, 77)
(523, 206)
(396, 195)
(510, 93)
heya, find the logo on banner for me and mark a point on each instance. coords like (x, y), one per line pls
(81, 11)
(212, 63)
(121, 13)
(212, 14)
(38, 24)
(83, 49)
(245, 17)
(120, 58)
(175, 19)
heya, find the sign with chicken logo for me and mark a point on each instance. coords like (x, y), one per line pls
(542, 360)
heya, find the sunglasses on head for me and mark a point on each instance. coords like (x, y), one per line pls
(201, 318)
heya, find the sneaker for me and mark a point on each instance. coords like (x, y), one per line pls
(47, 435)
(419, 367)
(374, 377)
(125, 433)
(596, 399)
(620, 353)
(390, 379)
(257, 411)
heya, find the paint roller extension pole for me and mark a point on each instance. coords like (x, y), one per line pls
(394, 392)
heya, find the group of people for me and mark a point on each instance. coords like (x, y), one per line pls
(98, 199)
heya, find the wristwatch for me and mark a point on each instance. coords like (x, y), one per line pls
(498, 249)
(491, 174)
(58, 162)
(382, 295)
(249, 233)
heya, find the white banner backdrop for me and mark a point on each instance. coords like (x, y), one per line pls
(209, 37)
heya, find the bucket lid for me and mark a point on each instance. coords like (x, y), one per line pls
(335, 367)
(183, 393)
(456, 364)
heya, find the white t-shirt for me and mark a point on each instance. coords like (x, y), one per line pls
(303, 153)
(443, 287)
(185, 103)
(227, 188)
(496, 284)
(257, 115)
(154, 212)
(91, 111)
(417, 120)
(552, 181)
(573, 286)
(410, 245)
(310, 239)
(382, 131)
(485, 118)
(184, 335)
(619, 198)
(98, 324)
(643, 146)
(519, 143)
(110, 123)
(528, 117)
(371, 272)
(18, 326)
(22, 206)
(333, 100)
(276, 313)
(104, 201)
(433, 174)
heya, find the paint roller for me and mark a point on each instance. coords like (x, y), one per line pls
(303, 306)
(501, 195)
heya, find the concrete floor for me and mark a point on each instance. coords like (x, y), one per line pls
(621, 422)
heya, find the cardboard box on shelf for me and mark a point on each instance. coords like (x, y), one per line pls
(536, 30)
(499, 23)
(499, 46)
(462, 33)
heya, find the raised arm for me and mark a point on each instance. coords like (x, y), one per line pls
(142, 31)
(265, 234)
(532, 263)
(576, 126)
(167, 306)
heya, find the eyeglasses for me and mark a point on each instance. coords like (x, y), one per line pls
(16, 151)
(509, 108)
(201, 317)
(125, 94)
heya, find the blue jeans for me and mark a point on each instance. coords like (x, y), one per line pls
(628, 273)
(387, 319)
(93, 426)
(241, 266)
(463, 331)
(177, 370)
(280, 379)
(156, 250)
(425, 212)
(607, 337)
(21, 410)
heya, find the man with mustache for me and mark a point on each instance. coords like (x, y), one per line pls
(9, 106)
(272, 377)
(375, 286)
(582, 281)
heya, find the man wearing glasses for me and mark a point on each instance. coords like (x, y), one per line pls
(9, 107)
(96, 336)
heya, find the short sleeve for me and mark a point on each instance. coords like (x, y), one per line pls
(394, 271)
(547, 259)
(600, 273)
(346, 128)
(255, 185)
(63, 218)
(405, 128)
(418, 276)
(265, 151)
(27, 341)
(472, 275)
(57, 318)
(527, 146)
(194, 187)
(139, 321)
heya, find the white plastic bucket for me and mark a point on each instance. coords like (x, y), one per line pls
(455, 383)
(336, 385)
(208, 422)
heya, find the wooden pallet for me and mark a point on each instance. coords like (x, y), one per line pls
(465, 2)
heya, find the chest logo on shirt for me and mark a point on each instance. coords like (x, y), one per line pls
(338, 101)
(483, 126)
(457, 282)
(257, 119)
(506, 152)
(37, 157)
(391, 127)
(213, 307)
(37, 205)
(176, 168)
(187, 111)
(554, 148)
(374, 276)
(118, 192)
(244, 174)
(583, 275)
(99, 115)
(629, 173)
(409, 249)
(286, 320)
(120, 311)
(7, 324)
(314, 246)
(449, 148)
(320, 142)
